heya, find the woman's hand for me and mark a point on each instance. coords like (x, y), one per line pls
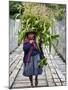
(31, 41)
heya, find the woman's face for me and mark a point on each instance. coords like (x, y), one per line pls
(31, 36)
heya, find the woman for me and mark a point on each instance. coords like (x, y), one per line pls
(31, 58)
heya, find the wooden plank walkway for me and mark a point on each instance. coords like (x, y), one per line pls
(54, 74)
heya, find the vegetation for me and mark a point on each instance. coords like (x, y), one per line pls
(42, 62)
(40, 19)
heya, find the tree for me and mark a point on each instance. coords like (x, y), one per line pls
(15, 9)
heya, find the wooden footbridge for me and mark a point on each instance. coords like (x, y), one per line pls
(54, 74)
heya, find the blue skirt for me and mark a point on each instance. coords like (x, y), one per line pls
(32, 68)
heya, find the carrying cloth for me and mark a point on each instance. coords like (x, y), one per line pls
(28, 55)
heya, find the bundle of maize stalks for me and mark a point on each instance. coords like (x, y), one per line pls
(42, 62)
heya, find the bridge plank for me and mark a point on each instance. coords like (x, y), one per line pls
(14, 73)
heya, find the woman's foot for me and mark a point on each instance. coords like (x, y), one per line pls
(36, 81)
(31, 80)
(31, 84)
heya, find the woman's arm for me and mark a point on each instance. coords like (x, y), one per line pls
(27, 46)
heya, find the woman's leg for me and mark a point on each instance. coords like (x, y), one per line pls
(36, 80)
(31, 79)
